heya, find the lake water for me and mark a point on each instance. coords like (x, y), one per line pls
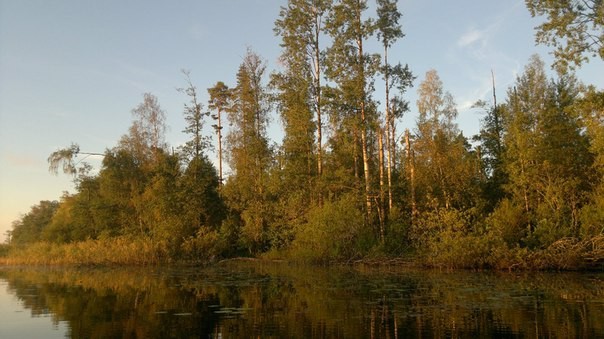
(260, 300)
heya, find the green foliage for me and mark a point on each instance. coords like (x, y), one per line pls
(546, 232)
(592, 217)
(508, 222)
(431, 224)
(230, 236)
(540, 136)
(30, 227)
(204, 246)
(387, 23)
(397, 238)
(65, 157)
(333, 232)
(221, 101)
(574, 28)
(202, 205)
(458, 250)
(447, 172)
(491, 151)
(250, 156)
(146, 136)
(196, 146)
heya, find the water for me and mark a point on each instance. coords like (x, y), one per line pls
(245, 300)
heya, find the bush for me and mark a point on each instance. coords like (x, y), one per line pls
(509, 222)
(447, 238)
(546, 233)
(204, 246)
(430, 225)
(334, 232)
(397, 233)
(457, 250)
(592, 218)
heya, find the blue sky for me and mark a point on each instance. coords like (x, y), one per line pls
(72, 71)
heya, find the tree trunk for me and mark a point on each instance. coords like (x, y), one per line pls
(365, 160)
(220, 183)
(411, 167)
(317, 79)
(355, 152)
(389, 131)
(382, 193)
(364, 127)
(318, 98)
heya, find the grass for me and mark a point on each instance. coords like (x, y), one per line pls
(454, 253)
(111, 251)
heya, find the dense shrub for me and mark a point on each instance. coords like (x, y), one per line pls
(508, 222)
(335, 231)
(592, 218)
(204, 246)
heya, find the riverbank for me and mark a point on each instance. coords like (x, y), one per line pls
(568, 254)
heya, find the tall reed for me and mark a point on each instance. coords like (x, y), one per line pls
(111, 251)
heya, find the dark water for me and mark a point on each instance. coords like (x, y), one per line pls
(252, 300)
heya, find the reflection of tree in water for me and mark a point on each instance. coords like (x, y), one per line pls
(106, 304)
(251, 300)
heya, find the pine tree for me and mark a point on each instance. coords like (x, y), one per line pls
(194, 119)
(221, 101)
(249, 153)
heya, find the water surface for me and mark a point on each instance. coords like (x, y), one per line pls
(244, 300)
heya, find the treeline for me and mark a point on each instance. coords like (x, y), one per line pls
(345, 183)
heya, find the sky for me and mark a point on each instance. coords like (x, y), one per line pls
(71, 71)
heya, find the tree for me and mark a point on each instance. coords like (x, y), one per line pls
(445, 169)
(146, 137)
(389, 30)
(221, 101)
(65, 158)
(352, 69)
(300, 25)
(82, 215)
(573, 27)
(547, 158)
(589, 110)
(444, 172)
(29, 227)
(249, 153)
(122, 183)
(491, 151)
(195, 147)
(299, 100)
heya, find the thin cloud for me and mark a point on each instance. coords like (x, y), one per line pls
(470, 37)
(21, 160)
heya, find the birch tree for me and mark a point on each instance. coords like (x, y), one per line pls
(353, 70)
(397, 77)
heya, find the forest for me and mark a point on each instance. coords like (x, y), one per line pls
(347, 183)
